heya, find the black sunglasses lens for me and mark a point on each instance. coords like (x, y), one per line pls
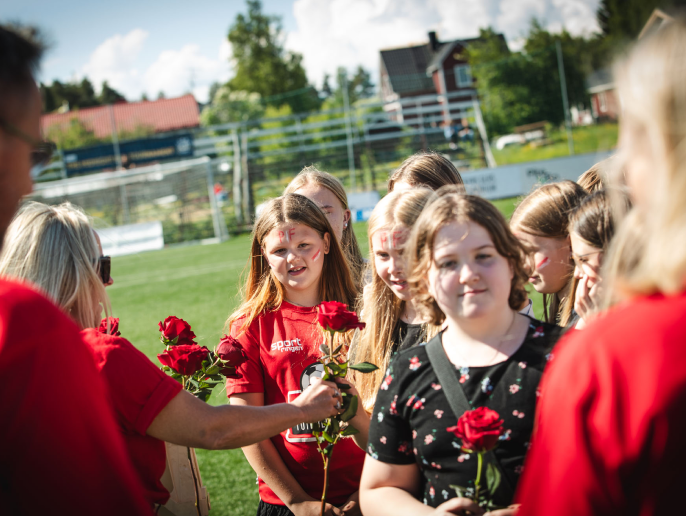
(105, 267)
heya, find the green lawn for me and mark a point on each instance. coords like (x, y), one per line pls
(592, 138)
(200, 284)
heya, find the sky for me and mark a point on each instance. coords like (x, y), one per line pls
(173, 46)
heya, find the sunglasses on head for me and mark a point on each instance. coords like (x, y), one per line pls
(104, 268)
(41, 152)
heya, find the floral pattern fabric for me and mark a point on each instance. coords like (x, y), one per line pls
(411, 414)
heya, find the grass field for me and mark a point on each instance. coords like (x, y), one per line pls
(592, 138)
(199, 284)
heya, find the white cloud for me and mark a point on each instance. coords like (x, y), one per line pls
(117, 60)
(578, 16)
(114, 61)
(332, 33)
(179, 71)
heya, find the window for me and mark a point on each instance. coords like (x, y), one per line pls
(463, 76)
(602, 99)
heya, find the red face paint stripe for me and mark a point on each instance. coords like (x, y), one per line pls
(543, 262)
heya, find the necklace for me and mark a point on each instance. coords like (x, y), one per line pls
(464, 369)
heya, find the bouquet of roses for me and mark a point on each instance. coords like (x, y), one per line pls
(480, 430)
(198, 369)
(334, 318)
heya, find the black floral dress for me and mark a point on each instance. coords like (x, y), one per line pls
(411, 414)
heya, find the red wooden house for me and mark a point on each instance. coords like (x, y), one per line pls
(413, 76)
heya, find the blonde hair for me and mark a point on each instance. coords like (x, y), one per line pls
(54, 247)
(351, 249)
(427, 169)
(545, 212)
(382, 308)
(262, 291)
(451, 206)
(650, 83)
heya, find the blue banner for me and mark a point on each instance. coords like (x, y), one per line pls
(133, 153)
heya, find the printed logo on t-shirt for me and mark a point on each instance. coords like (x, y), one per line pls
(302, 432)
(287, 345)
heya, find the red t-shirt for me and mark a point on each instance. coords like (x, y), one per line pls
(139, 391)
(283, 351)
(60, 449)
(611, 434)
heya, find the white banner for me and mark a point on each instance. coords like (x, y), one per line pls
(361, 204)
(520, 178)
(134, 238)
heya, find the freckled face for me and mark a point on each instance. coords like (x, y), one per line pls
(329, 204)
(551, 262)
(387, 250)
(468, 278)
(295, 253)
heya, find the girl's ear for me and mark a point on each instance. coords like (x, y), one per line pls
(327, 241)
(346, 218)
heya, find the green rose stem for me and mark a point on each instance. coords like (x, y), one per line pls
(327, 457)
(477, 483)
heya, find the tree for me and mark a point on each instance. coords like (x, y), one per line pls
(263, 66)
(326, 90)
(622, 20)
(110, 95)
(360, 86)
(232, 106)
(74, 135)
(77, 95)
(522, 88)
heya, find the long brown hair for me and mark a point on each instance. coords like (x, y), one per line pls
(450, 206)
(351, 249)
(545, 212)
(262, 291)
(382, 308)
(427, 169)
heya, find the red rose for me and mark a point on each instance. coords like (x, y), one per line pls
(114, 326)
(175, 328)
(480, 429)
(333, 316)
(231, 351)
(185, 359)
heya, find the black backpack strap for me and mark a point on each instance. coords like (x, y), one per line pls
(450, 385)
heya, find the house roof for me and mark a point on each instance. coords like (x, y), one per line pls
(406, 68)
(161, 115)
(448, 47)
(657, 19)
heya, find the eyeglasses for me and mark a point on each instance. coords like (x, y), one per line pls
(41, 151)
(104, 268)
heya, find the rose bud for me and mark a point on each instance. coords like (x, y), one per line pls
(230, 350)
(174, 328)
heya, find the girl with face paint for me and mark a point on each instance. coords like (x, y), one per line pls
(393, 322)
(466, 271)
(296, 264)
(541, 223)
